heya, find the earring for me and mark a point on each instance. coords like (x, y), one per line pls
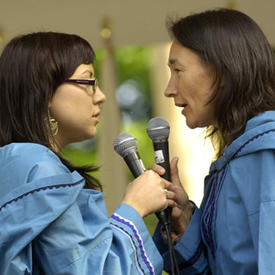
(53, 124)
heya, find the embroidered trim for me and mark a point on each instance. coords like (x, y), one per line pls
(208, 213)
(123, 231)
(145, 258)
(209, 210)
(39, 189)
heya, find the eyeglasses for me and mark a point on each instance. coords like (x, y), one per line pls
(91, 82)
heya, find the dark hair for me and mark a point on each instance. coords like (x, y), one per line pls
(32, 66)
(234, 45)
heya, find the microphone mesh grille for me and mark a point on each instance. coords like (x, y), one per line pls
(124, 142)
(158, 128)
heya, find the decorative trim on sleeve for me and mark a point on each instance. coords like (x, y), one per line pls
(133, 228)
(123, 231)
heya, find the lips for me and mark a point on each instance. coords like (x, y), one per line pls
(96, 115)
(181, 105)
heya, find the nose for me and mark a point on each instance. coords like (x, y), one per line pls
(171, 89)
(99, 96)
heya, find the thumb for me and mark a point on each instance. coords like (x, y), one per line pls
(174, 171)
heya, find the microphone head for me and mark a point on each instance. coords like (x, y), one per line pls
(124, 143)
(158, 129)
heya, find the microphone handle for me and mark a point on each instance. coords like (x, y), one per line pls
(162, 158)
(136, 166)
(134, 163)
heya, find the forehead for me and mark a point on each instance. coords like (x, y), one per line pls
(182, 55)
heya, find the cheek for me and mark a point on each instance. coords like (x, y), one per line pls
(200, 94)
(188, 85)
(72, 108)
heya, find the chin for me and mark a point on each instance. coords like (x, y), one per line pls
(91, 134)
(84, 137)
(191, 125)
(194, 124)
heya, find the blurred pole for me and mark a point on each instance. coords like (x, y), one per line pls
(1, 39)
(194, 152)
(113, 173)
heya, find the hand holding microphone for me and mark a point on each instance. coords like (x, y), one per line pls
(147, 192)
(158, 130)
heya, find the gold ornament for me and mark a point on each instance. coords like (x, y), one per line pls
(53, 125)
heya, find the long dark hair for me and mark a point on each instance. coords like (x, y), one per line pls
(235, 46)
(32, 66)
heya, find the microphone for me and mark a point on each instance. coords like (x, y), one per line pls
(158, 130)
(126, 146)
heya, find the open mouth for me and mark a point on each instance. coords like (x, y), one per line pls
(181, 105)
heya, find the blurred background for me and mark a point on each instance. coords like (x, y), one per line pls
(131, 43)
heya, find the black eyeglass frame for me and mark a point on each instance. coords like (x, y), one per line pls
(92, 82)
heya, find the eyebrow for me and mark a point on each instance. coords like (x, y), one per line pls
(175, 62)
(171, 62)
(87, 71)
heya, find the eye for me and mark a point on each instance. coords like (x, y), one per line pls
(177, 70)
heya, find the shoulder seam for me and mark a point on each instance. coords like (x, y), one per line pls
(38, 190)
(250, 140)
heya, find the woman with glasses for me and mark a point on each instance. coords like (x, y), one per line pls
(52, 214)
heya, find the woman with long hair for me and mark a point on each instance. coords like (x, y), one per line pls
(222, 78)
(52, 213)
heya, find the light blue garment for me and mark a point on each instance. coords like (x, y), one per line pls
(233, 232)
(48, 220)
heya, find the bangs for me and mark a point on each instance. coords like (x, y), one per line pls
(70, 57)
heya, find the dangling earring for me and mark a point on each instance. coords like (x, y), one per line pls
(53, 124)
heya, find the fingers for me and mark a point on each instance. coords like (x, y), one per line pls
(170, 195)
(157, 168)
(174, 171)
(163, 186)
(162, 182)
(172, 203)
(170, 198)
(166, 193)
(169, 185)
(147, 193)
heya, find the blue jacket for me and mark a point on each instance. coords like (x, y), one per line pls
(233, 232)
(48, 221)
